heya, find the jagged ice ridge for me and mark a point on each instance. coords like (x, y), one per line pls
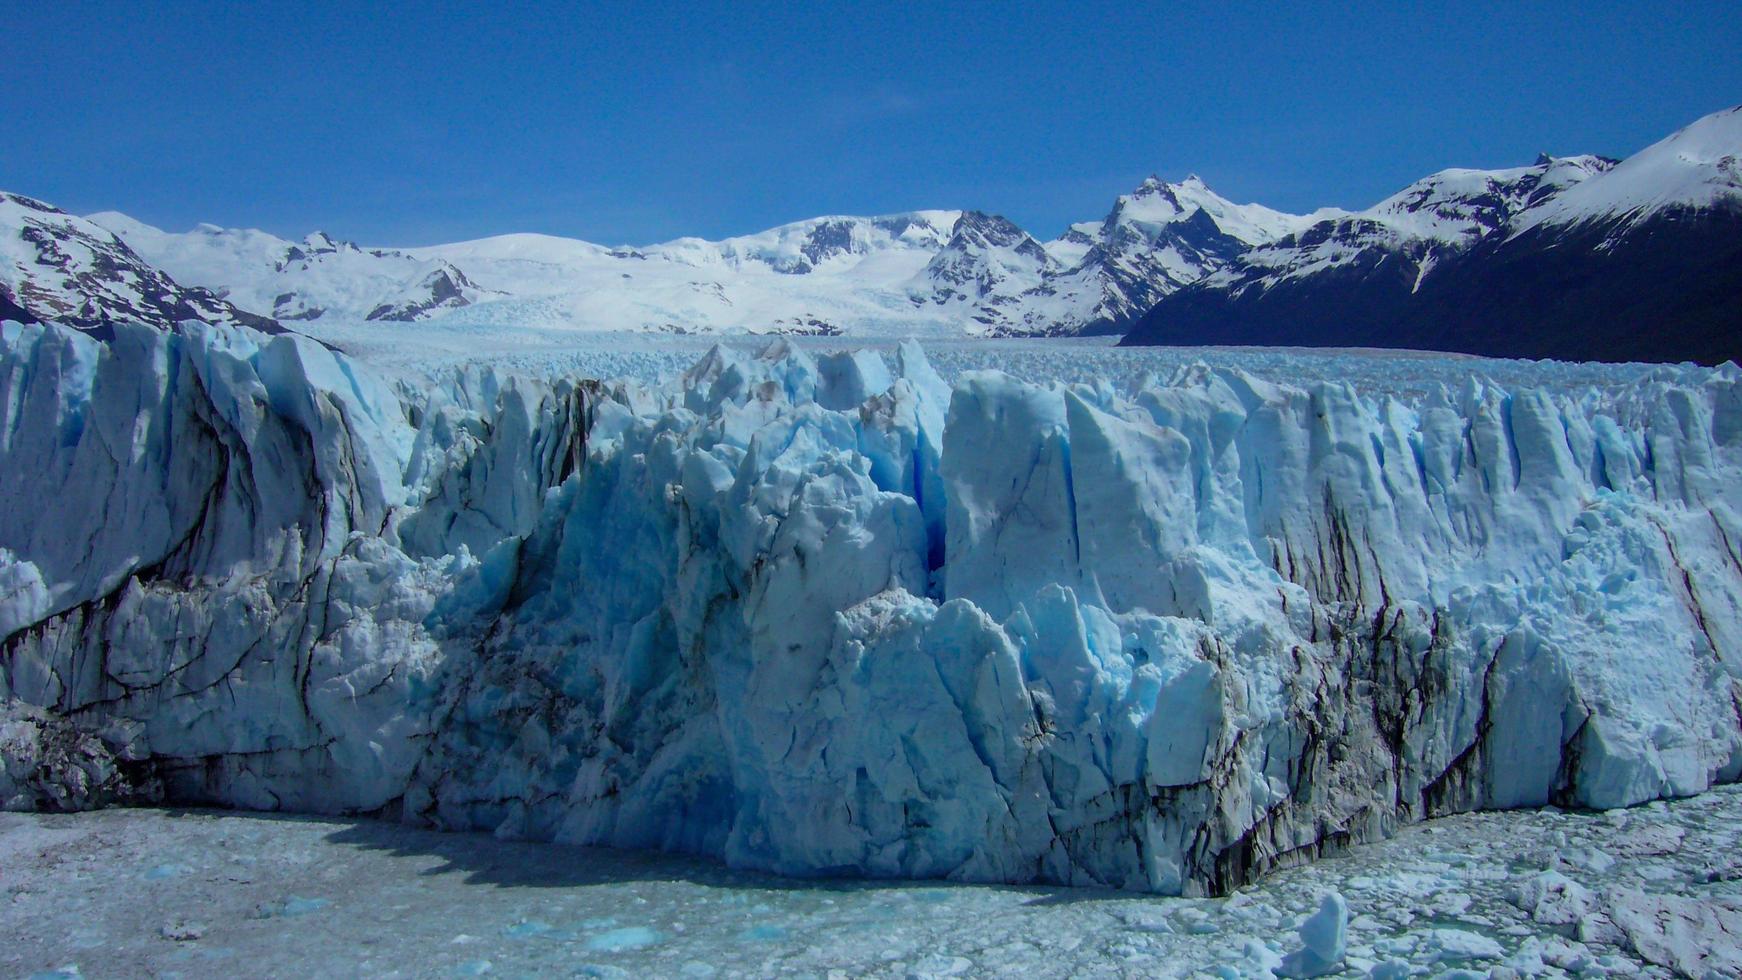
(829, 614)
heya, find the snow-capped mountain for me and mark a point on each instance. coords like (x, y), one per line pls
(1575, 257)
(1407, 233)
(299, 280)
(987, 265)
(59, 267)
(1698, 168)
(925, 272)
(833, 274)
(1156, 239)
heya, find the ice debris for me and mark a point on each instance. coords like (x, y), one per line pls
(1324, 936)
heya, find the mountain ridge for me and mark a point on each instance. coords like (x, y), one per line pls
(1171, 263)
(1581, 258)
(59, 267)
(922, 271)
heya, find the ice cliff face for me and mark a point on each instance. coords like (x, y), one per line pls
(832, 615)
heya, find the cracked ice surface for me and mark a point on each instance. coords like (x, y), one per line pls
(831, 613)
(151, 892)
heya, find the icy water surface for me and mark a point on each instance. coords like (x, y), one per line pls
(1653, 891)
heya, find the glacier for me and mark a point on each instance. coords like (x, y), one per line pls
(829, 613)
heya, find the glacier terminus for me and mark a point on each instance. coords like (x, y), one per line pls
(827, 611)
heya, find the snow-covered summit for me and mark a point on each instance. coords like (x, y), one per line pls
(984, 255)
(55, 266)
(1155, 203)
(1440, 214)
(1154, 240)
(301, 280)
(927, 272)
(831, 243)
(833, 274)
(1696, 167)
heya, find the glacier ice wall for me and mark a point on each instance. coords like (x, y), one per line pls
(829, 615)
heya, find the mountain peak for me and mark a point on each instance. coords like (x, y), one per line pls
(1698, 166)
(28, 203)
(1157, 203)
(983, 229)
(984, 252)
(55, 266)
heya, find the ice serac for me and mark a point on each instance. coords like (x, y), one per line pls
(830, 615)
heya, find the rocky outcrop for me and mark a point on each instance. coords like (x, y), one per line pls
(55, 267)
(444, 289)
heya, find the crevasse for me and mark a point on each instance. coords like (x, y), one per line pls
(827, 614)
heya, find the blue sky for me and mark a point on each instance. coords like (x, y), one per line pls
(639, 122)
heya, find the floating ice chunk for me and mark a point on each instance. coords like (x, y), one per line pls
(1696, 937)
(626, 938)
(1554, 899)
(527, 928)
(942, 966)
(1460, 945)
(290, 907)
(1326, 931)
(1262, 958)
(1587, 858)
(182, 930)
(1324, 936)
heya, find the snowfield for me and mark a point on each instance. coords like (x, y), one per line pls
(429, 352)
(1160, 621)
(1650, 892)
